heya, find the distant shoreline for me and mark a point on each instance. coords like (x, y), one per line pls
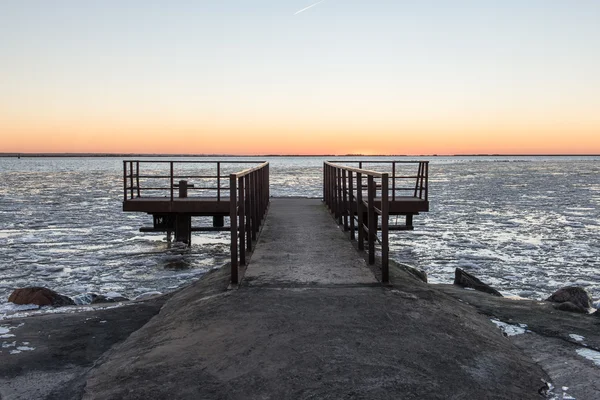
(122, 155)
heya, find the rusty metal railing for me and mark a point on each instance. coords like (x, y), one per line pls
(160, 178)
(403, 181)
(249, 200)
(349, 190)
(344, 194)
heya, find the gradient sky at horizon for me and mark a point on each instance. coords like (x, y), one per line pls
(251, 77)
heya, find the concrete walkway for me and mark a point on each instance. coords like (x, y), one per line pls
(301, 245)
(311, 322)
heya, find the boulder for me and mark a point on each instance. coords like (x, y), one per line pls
(39, 296)
(577, 296)
(571, 307)
(464, 279)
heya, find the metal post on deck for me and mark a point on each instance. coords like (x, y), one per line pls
(385, 269)
(345, 200)
(131, 178)
(393, 180)
(351, 204)
(124, 180)
(234, 228)
(218, 181)
(360, 211)
(137, 177)
(248, 218)
(242, 222)
(172, 182)
(372, 218)
(339, 196)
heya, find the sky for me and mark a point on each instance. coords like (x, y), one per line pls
(300, 76)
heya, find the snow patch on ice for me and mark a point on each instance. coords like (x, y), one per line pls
(577, 338)
(510, 330)
(590, 354)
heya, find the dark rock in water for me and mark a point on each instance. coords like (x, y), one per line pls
(99, 298)
(579, 297)
(39, 296)
(571, 307)
(464, 279)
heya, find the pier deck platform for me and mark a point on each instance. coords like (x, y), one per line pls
(311, 321)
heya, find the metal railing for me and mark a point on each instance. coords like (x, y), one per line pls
(160, 178)
(403, 181)
(249, 200)
(346, 193)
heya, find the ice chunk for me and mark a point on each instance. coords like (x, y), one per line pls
(508, 329)
(577, 338)
(590, 354)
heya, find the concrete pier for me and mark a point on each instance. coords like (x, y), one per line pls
(311, 321)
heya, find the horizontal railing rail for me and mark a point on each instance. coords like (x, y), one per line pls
(160, 178)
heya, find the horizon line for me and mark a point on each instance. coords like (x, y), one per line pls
(101, 154)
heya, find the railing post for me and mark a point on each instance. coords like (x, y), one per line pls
(345, 200)
(385, 272)
(339, 204)
(351, 203)
(131, 178)
(327, 172)
(325, 182)
(124, 180)
(419, 182)
(242, 216)
(248, 218)
(171, 180)
(234, 228)
(426, 179)
(137, 177)
(218, 181)
(360, 211)
(372, 218)
(393, 180)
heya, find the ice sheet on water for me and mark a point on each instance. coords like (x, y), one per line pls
(535, 220)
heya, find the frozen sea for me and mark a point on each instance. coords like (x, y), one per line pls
(525, 225)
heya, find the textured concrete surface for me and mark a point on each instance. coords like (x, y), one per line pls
(301, 245)
(310, 322)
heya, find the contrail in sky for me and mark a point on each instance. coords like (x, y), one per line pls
(306, 8)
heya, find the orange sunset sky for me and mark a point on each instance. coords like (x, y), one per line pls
(272, 77)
